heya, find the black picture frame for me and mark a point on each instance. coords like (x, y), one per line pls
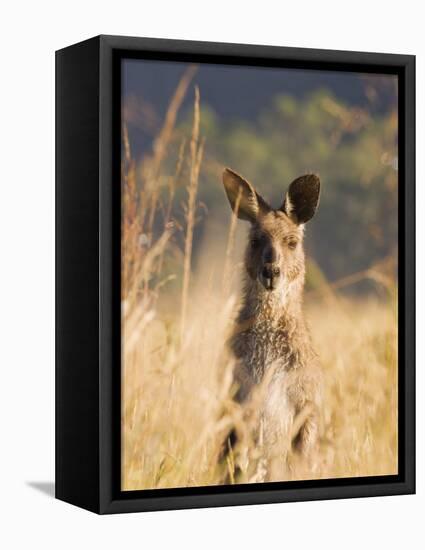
(88, 274)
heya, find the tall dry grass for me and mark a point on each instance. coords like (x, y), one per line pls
(176, 370)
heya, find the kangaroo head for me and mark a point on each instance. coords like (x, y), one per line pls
(274, 255)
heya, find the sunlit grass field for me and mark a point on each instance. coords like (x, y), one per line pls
(177, 315)
(177, 398)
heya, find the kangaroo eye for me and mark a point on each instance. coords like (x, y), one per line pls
(255, 242)
(292, 244)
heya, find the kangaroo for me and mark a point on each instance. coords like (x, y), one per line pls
(271, 342)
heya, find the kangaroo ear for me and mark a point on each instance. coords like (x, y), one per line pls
(302, 199)
(246, 203)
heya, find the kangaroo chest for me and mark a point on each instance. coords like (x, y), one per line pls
(262, 346)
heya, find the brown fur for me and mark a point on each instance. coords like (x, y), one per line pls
(273, 346)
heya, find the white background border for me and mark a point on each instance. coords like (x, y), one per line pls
(30, 33)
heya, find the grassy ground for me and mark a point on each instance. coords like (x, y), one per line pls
(177, 397)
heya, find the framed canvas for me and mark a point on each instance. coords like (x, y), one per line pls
(235, 303)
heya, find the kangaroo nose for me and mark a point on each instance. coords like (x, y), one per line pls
(269, 275)
(270, 271)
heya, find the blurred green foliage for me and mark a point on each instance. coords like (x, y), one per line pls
(353, 149)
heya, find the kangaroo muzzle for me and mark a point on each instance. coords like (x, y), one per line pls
(270, 275)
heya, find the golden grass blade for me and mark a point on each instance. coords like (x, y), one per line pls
(196, 152)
